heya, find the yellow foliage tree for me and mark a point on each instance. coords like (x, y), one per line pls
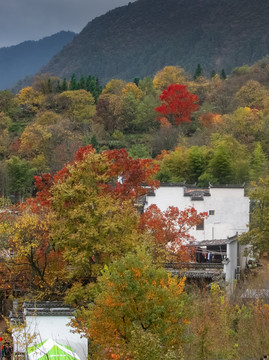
(245, 124)
(133, 89)
(114, 86)
(252, 94)
(169, 75)
(34, 264)
(79, 106)
(29, 99)
(91, 227)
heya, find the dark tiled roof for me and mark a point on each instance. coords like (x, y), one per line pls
(46, 308)
(151, 192)
(229, 186)
(209, 274)
(196, 194)
(172, 184)
(229, 240)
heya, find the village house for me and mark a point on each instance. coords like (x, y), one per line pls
(217, 236)
(45, 320)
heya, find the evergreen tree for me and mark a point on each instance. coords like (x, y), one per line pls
(64, 85)
(89, 83)
(98, 88)
(81, 84)
(49, 86)
(136, 81)
(213, 74)
(73, 83)
(198, 72)
(223, 75)
(93, 86)
(94, 142)
(58, 87)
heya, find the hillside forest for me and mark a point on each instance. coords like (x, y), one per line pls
(75, 159)
(223, 139)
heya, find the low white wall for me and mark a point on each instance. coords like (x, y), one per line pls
(55, 327)
(230, 268)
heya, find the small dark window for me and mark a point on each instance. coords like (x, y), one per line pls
(211, 212)
(200, 226)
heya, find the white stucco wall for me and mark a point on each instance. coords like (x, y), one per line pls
(244, 255)
(230, 268)
(230, 205)
(55, 327)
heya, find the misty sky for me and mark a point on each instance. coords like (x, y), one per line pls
(22, 20)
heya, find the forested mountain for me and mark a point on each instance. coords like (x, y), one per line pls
(16, 62)
(138, 39)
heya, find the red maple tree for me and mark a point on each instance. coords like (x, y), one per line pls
(126, 177)
(170, 228)
(177, 104)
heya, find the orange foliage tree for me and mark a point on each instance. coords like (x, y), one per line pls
(210, 119)
(139, 312)
(170, 228)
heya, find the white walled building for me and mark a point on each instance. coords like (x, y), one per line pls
(45, 320)
(227, 208)
(228, 216)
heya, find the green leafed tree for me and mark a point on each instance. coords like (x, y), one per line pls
(198, 72)
(258, 163)
(223, 75)
(145, 117)
(230, 161)
(139, 312)
(198, 159)
(175, 166)
(259, 218)
(20, 177)
(213, 74)
(220, 165)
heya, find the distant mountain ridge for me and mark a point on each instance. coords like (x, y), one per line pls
(138, 39)
(18, 61)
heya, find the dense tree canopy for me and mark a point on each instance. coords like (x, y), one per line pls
(134, 299)
(259, 220)
(71, 237)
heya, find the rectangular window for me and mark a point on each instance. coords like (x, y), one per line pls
(201, 225)
(211, 212)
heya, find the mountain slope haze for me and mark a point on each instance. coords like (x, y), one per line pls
(138, 39)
